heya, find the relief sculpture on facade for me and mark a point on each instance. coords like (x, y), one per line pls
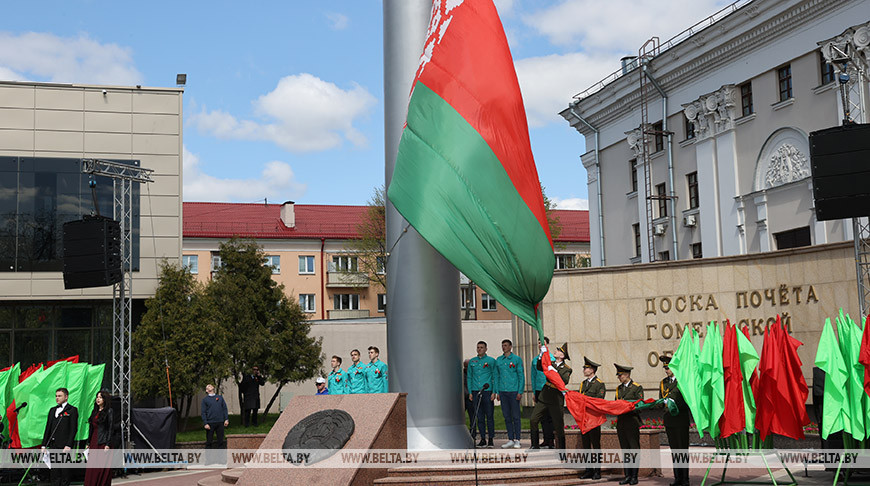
(787, 164)
(712, 113)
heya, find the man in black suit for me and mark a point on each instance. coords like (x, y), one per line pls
(250, 388)
(60, 433)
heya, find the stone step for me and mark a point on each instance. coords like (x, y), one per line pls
(232, 476)
(211, 481)
(486, 477)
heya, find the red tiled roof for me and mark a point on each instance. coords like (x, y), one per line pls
(313, 221)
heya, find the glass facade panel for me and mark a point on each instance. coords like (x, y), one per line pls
(32, 347)
(74, 342)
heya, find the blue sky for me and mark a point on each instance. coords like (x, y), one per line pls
(284, 99)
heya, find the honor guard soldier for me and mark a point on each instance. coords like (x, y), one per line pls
(376, 373)
(510, 383)
(676, 426)
(628, 424)
(592, 386)
(538, 382)
(356, 374)
(551, 399)
(482, 376)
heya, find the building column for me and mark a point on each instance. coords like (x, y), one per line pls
(726, 163)
(641, 212)
(741, 224)
(708, 197)
(761, 222)
(590, 162)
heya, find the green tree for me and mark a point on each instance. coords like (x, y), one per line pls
(267, 328)
(176, 333)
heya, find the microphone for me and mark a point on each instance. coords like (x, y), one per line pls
(485, 387)
(20, 407)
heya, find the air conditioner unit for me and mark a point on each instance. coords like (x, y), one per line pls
(659, 229)
(690, 220)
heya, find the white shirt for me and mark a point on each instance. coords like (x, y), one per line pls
(59, 409)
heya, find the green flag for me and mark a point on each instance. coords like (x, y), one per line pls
(830, 359)
(748, 362)
(75, 382)
(92, 383)
(712, 380)
(38, 391)
(8, 379)
(686, 369)
(850, 347)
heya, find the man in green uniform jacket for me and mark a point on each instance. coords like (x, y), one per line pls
(356, 374)
(376, 373)
(337, 379)
(482, 376)
(628, 424)
(676, 426)
(592, 386)
(510, 383)
(551, 399)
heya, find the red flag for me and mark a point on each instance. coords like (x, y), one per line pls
(71, 359)
(763, 394)
(792, 386)
(588, 412)
(864, 355)
(29, 371)
(13, 426)
(734, 417)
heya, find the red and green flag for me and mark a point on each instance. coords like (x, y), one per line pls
(38, 391)
(465, 177)
(748, 362)
(734, 416)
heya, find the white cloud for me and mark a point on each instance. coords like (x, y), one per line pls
(504, 7)
(46, 57)
(337, 21)
(549, 82)
(302, 114)
(276, 182)
(570, 203)
(618, 25)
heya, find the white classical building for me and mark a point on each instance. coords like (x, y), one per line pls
(726, 171)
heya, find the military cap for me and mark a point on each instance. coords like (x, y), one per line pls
(666, 360)
(622, 369)
(564, 349)
(588, 363)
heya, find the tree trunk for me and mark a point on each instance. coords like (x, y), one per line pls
(280, 386)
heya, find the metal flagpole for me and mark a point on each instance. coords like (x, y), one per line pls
(424, 333)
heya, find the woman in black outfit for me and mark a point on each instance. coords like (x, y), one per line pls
(101, 439)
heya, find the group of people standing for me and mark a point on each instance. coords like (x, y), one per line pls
(359, 377)
(489, 379)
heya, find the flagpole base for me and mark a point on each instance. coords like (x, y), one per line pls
(439, 437)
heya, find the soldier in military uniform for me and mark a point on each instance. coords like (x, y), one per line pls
(628, 424)
(551, 399)
(592, 386)
(676, 426)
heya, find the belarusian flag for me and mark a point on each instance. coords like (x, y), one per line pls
(465, 177)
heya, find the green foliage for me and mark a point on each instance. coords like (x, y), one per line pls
(176, 330)
(267, 328)
(371, 248)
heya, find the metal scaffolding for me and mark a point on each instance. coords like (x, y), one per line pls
(123, 176)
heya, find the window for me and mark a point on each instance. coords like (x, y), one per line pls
(306, 265)
(215, 262)
(37, 196)
(585, 262)
(381, 264)
(274, 261)
(784, 77)
(308, 302)
(565, 261)
(664, 256)
(632, 167)
(792, 238)
(746, 98)
(662, 194)
(344, 263)
(487, 303)
(827, 70)
(659, 134)
(696, 250)
(635, 228)
(466, 298)
(690, 128)
(346, 301)
(190, 262)
(692, 180)
(382, 302)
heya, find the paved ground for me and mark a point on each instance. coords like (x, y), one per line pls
(166, 478)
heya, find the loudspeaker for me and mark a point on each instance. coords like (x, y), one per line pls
(91, 252)
(840, 164)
